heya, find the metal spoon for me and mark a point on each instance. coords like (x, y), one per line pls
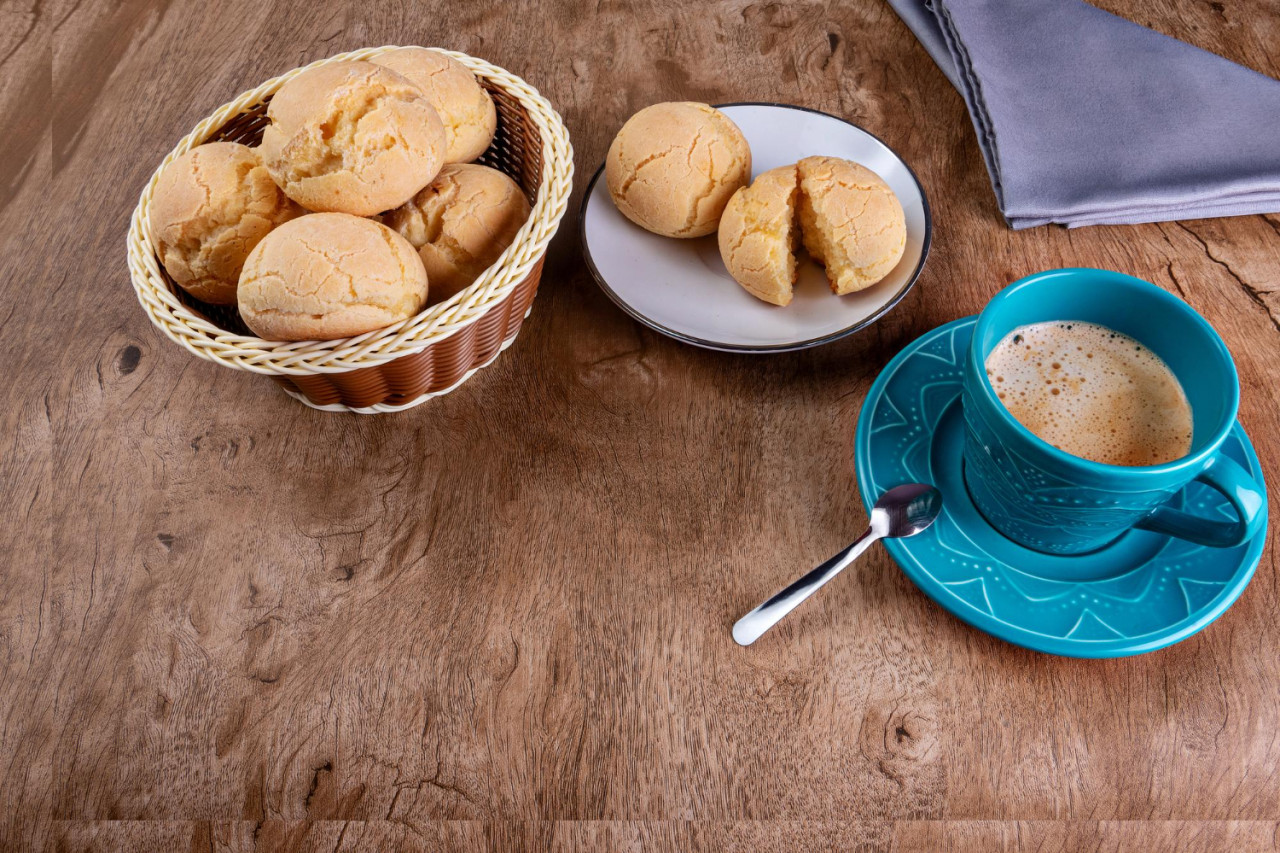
(901, 511)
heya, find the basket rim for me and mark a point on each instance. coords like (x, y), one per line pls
(430, 326)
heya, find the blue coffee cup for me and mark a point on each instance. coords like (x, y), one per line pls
(1052, 501)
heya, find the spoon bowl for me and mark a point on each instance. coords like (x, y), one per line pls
(909, 509)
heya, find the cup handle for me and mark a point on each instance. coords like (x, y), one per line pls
(1233, 483)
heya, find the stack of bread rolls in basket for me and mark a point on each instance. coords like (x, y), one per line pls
(360, 207)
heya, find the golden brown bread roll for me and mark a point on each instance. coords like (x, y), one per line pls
(759, 235)
(464, 106)
(460, 223)
(352, 137)
(852, 222)
(673, 167)
(330, 275)
(211, 206)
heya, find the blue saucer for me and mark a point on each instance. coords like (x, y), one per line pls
(1141, 593)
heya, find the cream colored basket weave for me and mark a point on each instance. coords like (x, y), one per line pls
(419, 358)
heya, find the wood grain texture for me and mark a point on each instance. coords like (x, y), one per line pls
(501, 620)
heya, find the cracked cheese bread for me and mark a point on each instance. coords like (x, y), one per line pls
(460, 223)
(465, 108)
(851, 221)
(673, 167)
(759, 235)
(352, 137)
(210, 208)
(330, 275)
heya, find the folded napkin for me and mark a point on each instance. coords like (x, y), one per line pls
(1085, 118)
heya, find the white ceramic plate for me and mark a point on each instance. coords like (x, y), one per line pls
(681, 288)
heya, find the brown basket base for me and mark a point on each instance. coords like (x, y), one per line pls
(411, 379)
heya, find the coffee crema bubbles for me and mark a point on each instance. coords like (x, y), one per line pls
(1092, 392)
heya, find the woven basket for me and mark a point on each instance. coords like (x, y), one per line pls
(411, 361)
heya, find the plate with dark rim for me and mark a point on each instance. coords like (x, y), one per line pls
(681, 288)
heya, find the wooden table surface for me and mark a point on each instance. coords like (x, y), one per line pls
(501, 619)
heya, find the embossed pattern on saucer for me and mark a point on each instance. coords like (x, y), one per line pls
(1141, 593)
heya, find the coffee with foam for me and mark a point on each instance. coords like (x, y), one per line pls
(1092, 392)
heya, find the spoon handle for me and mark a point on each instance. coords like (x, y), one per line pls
(750, 627)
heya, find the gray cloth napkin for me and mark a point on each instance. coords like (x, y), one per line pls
(1085, 118)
